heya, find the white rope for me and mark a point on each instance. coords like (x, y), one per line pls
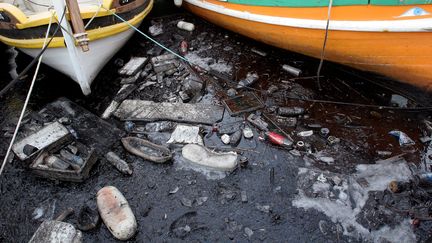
(146, 36)
(324, 44)
(94, 16)
(27, 99)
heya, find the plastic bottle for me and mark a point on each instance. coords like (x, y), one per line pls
(290, 111)
(278, 139)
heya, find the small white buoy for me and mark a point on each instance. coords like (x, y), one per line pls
(185, 26)
(178, 3)
(116, 213)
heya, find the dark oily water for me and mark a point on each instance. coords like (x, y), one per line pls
(254, 202)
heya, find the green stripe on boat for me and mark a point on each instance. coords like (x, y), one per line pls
(322, 3)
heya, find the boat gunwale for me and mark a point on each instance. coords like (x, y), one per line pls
(93, 34)
(421, 24)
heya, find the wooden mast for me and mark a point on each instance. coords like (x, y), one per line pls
(77, 24)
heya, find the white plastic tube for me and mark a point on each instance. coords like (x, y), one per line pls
(185, 26)
(178, 3)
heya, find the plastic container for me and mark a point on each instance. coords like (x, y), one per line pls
(185, 26)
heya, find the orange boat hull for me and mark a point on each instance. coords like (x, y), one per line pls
(404, 56)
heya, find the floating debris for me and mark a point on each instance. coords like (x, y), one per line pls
(185, 26)
(292, 70)
(49, 136)
(258, 122)
(156, 29)
(247, 132)
(117, 162)
(290, 111)
(147, 150)
(226, 138)
(250, 79)
(88, 218)
(134, 65)
(142, 110)
(56, 231)
(278, 139)
(403, 138)
(186, 134)
(305, 133)
(202, 156)
(246, 102)
(116, 213)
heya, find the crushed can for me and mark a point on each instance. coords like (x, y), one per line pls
(398, 186)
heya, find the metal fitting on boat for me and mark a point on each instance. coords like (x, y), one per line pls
(83, 41)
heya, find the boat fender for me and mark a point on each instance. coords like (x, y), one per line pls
(178, 3)
(116, 213)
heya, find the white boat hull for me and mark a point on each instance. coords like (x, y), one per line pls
(91, 62)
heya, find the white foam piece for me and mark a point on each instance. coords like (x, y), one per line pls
(353, 196)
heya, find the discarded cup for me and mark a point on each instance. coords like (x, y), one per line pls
(324, 132)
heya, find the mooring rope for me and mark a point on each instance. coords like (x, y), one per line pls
(94, 16)
(31, 64)
(27, 98)
(324, 44)
(148, 37)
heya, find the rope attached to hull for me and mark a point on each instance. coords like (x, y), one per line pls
(324, 44)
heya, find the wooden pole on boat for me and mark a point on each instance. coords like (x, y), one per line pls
(73, 52)
(77, 24)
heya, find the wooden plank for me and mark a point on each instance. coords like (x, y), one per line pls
(142, 110)
(134, 65)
